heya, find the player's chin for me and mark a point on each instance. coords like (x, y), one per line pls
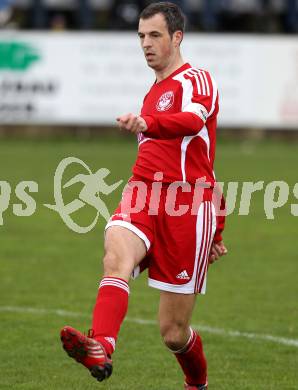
(152, 63)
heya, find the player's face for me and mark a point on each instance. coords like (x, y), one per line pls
(158, 46)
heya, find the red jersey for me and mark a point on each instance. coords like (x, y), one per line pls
(181, 114)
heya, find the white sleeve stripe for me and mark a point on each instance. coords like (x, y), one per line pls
(201, 80)
(206, 81)
(203, 84)
(198, 84)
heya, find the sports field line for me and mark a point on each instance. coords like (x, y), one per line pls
(140, 321)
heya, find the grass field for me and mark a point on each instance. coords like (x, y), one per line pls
(49, 278)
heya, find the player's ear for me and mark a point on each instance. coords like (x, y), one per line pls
(177, 38)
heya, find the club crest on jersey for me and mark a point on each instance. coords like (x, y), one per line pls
(165, 101)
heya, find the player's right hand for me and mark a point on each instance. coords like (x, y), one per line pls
(133, 123)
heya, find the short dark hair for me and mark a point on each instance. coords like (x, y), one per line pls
(173, 15)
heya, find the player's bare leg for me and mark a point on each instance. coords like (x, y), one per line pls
(175, 311)
(124, 250)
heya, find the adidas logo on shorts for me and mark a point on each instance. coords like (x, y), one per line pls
(183, 275)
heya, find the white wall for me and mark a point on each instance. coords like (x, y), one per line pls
(90, 78)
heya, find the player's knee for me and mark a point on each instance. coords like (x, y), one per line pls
(111, 262)
(116, 265)
(174, 335)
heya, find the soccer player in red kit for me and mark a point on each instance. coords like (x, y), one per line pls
(172, 235)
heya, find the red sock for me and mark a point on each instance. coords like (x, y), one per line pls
(109, 311)
(193, 361)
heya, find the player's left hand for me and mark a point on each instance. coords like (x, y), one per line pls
(217, 250)
(133, 123)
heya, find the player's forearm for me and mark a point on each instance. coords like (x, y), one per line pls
(220, 218)
(220, 224)
(173, 125)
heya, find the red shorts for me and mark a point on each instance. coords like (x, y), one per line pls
(177, 224)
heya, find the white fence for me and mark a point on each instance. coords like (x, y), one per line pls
(90, 78)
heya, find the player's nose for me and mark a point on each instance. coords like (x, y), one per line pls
(147, 42)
